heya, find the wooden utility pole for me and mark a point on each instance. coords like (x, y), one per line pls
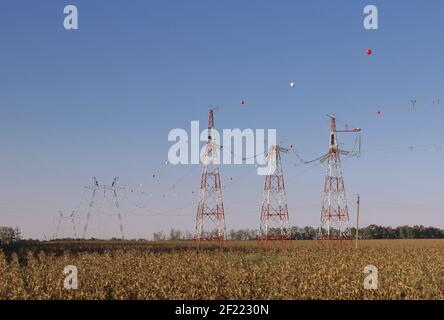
(357, 219)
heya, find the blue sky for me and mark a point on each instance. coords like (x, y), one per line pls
(100, 101)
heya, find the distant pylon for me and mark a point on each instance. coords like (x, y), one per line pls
(61, 218)
(335, 224)
(210, 217)
(113, 189)
(274, 213)
(94, 188)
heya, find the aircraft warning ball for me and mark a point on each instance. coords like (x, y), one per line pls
(369, 52)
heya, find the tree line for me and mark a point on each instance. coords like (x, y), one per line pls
(309, 233)
(9, 235)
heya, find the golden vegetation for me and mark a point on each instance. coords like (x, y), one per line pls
(408, 269)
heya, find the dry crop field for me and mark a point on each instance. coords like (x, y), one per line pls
(407, 269)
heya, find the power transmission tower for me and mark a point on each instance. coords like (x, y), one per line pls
(274, 213)
(62, 218)
(114, 190)
(210, 217)
(94, 188)
(335, 224)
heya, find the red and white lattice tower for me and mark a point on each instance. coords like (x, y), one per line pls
(335, 224)
(274, 213)
(210, 218)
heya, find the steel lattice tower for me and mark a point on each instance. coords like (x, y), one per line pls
(274, 213)
(62, 218)
(335, 224)
(210, 217)
(113, 189)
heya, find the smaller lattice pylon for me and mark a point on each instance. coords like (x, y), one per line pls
(113, 189)
(274, 223)
(62, 218)
(94, 188)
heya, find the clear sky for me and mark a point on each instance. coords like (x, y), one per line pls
(100, 101)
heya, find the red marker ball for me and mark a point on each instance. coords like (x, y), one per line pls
(369, 52)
